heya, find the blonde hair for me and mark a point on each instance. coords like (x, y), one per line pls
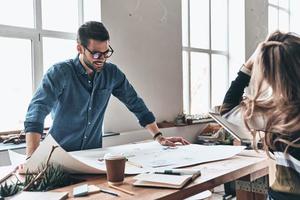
(277, 66)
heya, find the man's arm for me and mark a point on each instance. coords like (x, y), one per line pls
(125, 92)
(166, 141)
(40, 106)
(32, 142)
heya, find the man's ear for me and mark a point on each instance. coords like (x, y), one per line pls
(80, 49)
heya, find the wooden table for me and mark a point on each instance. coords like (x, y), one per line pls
(213, 174)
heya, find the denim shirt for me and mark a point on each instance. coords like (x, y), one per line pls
(77, 104)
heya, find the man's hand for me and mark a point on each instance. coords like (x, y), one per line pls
(171, 141)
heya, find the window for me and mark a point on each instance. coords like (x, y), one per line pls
(206, 41)
(205, 33)
(41, 34)
(284, 15)
(205, 53)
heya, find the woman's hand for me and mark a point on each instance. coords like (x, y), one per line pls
(250, 61)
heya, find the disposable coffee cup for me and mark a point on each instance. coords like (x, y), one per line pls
(115, 167)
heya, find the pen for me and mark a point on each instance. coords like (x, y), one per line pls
(185, 171)
(168, 172)
(179, 172)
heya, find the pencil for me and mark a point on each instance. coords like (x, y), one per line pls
(121, 189)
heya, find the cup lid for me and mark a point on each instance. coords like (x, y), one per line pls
(111, 156)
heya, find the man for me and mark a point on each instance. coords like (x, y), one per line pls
(77, 91)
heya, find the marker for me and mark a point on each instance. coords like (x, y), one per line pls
(179, 172)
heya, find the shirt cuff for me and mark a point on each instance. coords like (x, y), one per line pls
(33, 127)
(146, 119)
(245, 70)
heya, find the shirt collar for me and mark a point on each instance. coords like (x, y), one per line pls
(78, 66)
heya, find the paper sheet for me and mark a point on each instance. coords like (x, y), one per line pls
(151, 155)
(59, 157)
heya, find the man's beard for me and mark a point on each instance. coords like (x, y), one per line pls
(90, 65)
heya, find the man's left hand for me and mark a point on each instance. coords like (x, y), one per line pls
(171, 141)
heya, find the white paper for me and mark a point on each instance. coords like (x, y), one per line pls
(153, 156)
(150, 155)
(59, 157)
(16, 158)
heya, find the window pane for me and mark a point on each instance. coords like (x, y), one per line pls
(295, 16)
(274, 2)
(284, 4)
(199, 83)
(273, 19)
(219, 78)
(57, 50)
(60, 15)
(283, 21)
(16, 90)
(186, 78)
(184, 7)
(199, 23)
(17, 13)
(219, 24)
(92, 10)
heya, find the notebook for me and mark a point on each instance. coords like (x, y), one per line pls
(41, 195)
(164, 180)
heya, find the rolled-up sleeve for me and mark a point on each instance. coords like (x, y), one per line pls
(125, 92)
(44, 99)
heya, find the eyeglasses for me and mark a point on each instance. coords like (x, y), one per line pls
(98, 54)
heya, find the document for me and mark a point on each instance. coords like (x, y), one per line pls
(142, 157)
(59, 157)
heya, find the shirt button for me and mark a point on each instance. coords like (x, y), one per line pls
(90, 108)
(85, 137)
(89, 123)
(89, 81)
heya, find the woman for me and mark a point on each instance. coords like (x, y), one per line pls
(272, 105)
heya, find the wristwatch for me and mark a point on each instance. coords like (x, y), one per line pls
(156, 135)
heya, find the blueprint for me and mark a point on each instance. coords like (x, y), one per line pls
(142, 157)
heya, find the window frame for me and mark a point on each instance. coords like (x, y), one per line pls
(188, 49)
(279, 8)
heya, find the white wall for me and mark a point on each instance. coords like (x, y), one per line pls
(146, 37)
(256, 23)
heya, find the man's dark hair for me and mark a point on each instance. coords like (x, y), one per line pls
(91, 30)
